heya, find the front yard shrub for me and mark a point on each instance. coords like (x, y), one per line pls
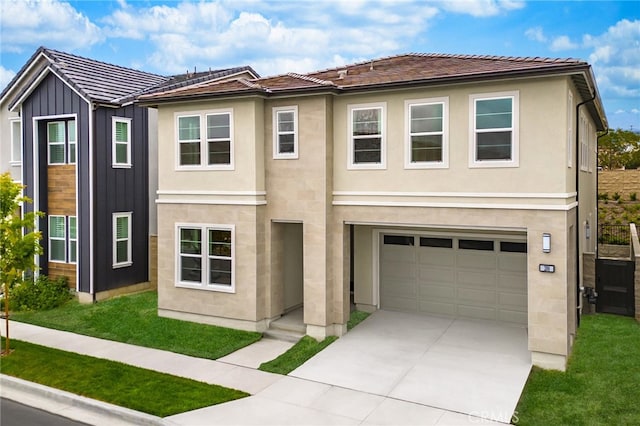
(39, 294)
(616, 196)
(633, 196)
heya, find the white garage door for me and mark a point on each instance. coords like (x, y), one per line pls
(483, 277)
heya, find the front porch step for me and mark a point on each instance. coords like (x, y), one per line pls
(285, 335)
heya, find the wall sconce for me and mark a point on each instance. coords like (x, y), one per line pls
(546, 243)
(587, 230)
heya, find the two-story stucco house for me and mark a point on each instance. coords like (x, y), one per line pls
(442, 184)
(86, 153)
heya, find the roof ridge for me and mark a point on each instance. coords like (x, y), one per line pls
(253, 85)
(500, 57)
(60, 53)
(311, 79)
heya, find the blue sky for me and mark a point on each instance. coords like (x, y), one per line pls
(169, 37)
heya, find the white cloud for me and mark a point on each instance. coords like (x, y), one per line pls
(615, 57)
(635, 111)
(536, 34)
(44, 22)
(5, 77)
(562, 43)
(480, 8)
(305, 36)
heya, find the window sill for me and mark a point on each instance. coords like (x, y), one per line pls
(122, 265)
(216, 288)
(121, 166)
(369, 166)
(204, 168)
(286, 157)
(493, 164)
(425, 165)
(15, 163)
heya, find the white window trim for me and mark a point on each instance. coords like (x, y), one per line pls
(515, 130)
(115, 217)
(204, 228)
(64, 239)
(114, 143)
(16, 157)
(584, 143)
(70, 240)
(382, 165)
(63, 143)
(570, 108)
(408, 164)
(203, 141)
(74, 143)
(276, 154)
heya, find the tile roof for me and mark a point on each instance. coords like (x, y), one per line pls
(390, 71)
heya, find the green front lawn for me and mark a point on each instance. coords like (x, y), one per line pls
(601, 385)
(143, 390)
(133, 319)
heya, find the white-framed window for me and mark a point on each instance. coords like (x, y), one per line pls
(285, 132)
(592, 151)
(211, 148)
(57, 238)
(584, 143)
(367, 136)
(56, 142)
(73, 240)
(121, 142)
(205, 257)
(426, 133)
(122, 239)
(494, 130)
(16, 140)
(73, 140)
(570, 108)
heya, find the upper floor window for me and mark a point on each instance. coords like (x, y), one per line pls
(285, 132)
(61, 142)
(427, 133)
(16, 140)
(121, 239)
(367, 136)
(205, 257)
(584, 142)
(494, 130)
(211, 148)
(121, 142)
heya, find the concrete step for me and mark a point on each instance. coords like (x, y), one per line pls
(285, 335)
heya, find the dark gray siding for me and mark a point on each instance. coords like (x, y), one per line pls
(53, 98)
(120, 190)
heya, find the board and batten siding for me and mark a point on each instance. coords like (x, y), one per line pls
(121, 190)
(53, 98)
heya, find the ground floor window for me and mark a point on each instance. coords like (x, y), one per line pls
(122, 240)
(62, 239)
(205, 257)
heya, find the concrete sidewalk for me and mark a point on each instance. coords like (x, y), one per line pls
(275, 400)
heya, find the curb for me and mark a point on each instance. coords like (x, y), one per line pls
(46, 398)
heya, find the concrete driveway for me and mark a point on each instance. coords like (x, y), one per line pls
(465, 366)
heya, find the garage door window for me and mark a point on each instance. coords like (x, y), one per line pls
(484, 245)
(436, 242)
(398, 240)
(511, 247)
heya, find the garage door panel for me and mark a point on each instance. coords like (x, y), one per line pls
(476, 259)
(432, 291)
(393, 253)
(512, 299)
(512, 262)
(477, 296)
(399, 270)
(436, 256)
(436, 275)
(478, 278)
(480, 312)
(512, 281)
(515, 317)
(400, 289)
(435, 307)
(400, 304)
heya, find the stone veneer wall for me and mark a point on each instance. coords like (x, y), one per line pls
(624, 182)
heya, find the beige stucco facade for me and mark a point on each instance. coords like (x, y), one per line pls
(311, 203)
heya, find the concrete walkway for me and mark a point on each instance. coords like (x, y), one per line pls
(275, 400)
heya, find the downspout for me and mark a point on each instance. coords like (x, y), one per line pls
(578, 166)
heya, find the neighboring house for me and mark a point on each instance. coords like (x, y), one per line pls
(82, 147)
(439, 184)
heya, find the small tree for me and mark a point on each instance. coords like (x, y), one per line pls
(19, 242)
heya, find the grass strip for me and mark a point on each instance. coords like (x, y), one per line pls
(601, 384)
(143, 390)
(134, 319)
(356, 318)
(297, 355)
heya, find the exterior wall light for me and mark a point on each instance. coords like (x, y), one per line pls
(546, 243)
(587, 230)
